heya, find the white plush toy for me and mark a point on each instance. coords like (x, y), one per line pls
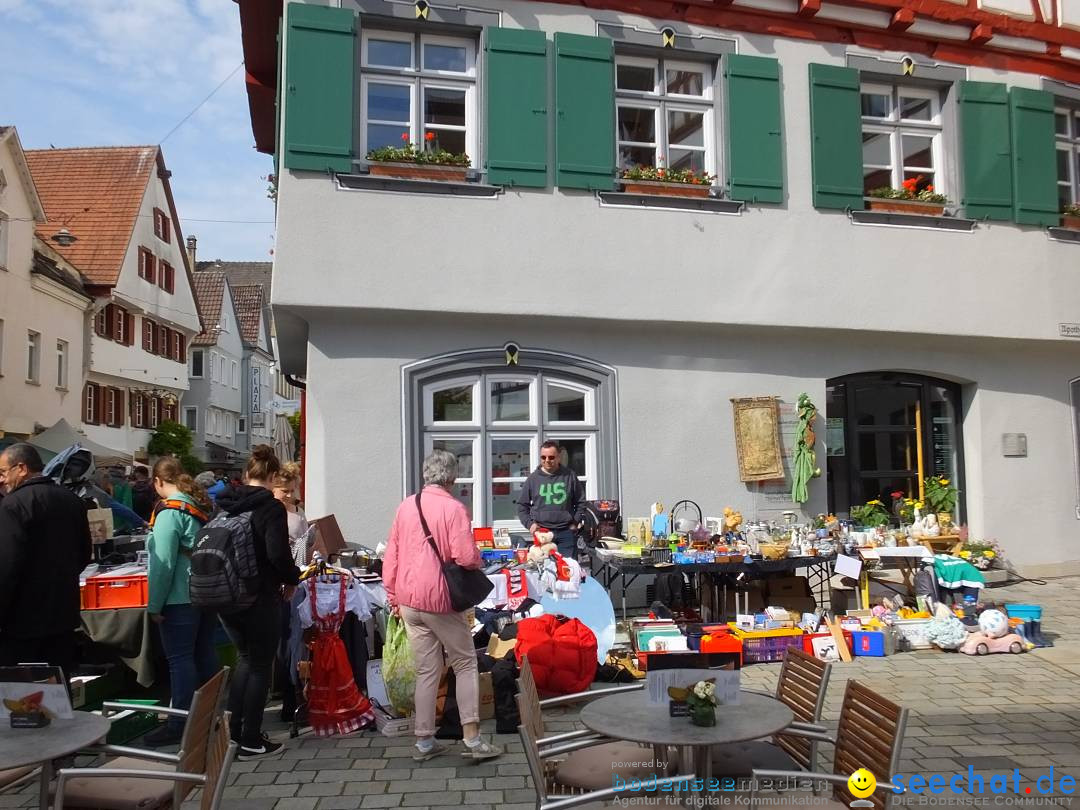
(543, 545)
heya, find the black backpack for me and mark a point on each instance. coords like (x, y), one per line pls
(224, 569)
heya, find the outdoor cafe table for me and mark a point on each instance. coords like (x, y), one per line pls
(630, 716)
(32, 746)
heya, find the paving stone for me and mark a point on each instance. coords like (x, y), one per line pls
(493, 796)
(295, 777)
(471, 783)
(513, 770)
(391, 800)
(504, 782)
(322, 789)
(275, 791)
(255, 778)
(340, 763)
(275, 765)
(417, 786)
(447, 799)
(364, 788)
(296, 804)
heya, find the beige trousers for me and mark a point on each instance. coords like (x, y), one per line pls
(429, 634)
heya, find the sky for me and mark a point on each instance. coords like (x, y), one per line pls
(125, 72)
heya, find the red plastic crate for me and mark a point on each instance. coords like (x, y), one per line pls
(808, 643)
(104, 593)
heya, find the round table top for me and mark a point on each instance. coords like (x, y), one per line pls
(29, 746)
(630, 716)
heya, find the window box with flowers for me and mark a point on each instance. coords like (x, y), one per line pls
(666, 182)
(915, 196)
(1070, 217)
(412, 162)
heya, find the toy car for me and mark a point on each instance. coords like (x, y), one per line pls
(978, 643)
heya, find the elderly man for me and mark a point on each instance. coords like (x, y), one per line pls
(44, 545)
(553, 498)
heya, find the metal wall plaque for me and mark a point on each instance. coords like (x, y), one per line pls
(1014, 444)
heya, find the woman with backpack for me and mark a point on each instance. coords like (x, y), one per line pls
(256, 628)
(186, 631)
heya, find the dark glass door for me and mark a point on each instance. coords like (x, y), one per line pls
(885, 432)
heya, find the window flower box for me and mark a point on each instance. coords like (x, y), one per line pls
(663, 189)
(417, 171)
(1070, 217)
(895, 206)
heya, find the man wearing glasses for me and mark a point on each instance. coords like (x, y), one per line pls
(552, 498)
(44, 546)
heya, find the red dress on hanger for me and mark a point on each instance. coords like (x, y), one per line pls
(335, 705)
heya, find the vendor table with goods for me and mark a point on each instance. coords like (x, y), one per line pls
(717, 577)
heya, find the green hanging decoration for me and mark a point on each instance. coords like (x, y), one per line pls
(805, 457)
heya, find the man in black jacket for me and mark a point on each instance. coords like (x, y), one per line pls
(44, 546)
(553, 498)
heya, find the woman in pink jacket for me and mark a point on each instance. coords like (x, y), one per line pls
(416, 591)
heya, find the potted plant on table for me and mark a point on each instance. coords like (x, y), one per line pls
(940, 497)
(1070, 216)
(916, 195)
(870, 515)
(983, 554)
(413, 162)
(700, 699)
(666, 182)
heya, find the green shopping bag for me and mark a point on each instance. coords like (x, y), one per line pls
(398, 668)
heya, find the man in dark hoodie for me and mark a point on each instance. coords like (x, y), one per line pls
(255, 631)
(553, 498)
(143, 495)
(44, 546)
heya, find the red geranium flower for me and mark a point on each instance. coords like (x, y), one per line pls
(430, 136)
(404, 136)
(898, 494)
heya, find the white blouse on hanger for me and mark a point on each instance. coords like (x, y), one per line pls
(328, 593)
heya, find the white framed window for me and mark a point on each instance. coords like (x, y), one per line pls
(418, 85)
(211, 422)
(191, 419)
(62, 364)
(1067, 132)
(228, 425)
(241, 425)
(213, 367)
(578, 452)
(511, 458)
(901, 137)
(155, 412)
(223, 375)
(467, 449)
(664, 114)
(140, 409)
(235, 374)
(511, 400)
(568, 403)
(33, 357)
(453, 403)
(196, 369)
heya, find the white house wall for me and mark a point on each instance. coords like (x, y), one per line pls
(34, 303)
(675, 420)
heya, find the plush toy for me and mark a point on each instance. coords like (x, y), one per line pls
(994, 623)
(732, 520)
(543, 545)
(945, 630)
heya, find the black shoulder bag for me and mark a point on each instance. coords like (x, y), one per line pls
(468, 587)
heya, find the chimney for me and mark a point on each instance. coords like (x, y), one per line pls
(191, 242)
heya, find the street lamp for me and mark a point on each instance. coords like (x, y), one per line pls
(64, 237)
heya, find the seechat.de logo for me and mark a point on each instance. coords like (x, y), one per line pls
(860, 785)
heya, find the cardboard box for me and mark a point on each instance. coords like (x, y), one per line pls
(328, 537)
(497, 648)
(792, 593)
(487, 696)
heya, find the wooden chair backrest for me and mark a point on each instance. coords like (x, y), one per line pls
(870, 735)
(532, 756)
(219, 758)
(529, 701)
(802, 685)
(199, 729)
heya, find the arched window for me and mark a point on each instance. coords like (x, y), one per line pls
(494, 414)
(886, 431)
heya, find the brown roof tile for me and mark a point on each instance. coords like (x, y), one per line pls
(243, 274)
(248, 300)
(209, 295)
(96, 194)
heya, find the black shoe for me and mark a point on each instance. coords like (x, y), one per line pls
(164, 735)
(267, 748)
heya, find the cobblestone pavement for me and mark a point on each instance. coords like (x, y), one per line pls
(993, 714)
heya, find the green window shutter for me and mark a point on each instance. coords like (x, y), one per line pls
(836, 137)
(755, 148)
(585, 121)
(320, 78)
(517, 120)
(1034, 157)
(985, 149)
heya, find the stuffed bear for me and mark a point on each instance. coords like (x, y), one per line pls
(543, 545)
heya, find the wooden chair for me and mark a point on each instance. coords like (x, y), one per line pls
(870, 735)
(803, 682)
(143, 794)
(591, 768)
(218, 758)
(541, 772)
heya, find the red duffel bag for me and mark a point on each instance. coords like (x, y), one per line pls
(561, 651)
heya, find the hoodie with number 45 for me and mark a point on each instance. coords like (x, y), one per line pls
(553, 500)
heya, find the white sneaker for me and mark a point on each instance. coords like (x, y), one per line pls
(482, 750)
(436, 749)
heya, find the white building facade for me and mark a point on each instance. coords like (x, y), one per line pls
(43, 311)
(539, 299)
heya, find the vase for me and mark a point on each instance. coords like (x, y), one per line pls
(417, 171)
(659, 187)
(1071, 221)
(892, 206)
(703, 714)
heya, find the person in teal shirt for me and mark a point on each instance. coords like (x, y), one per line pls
(186, 632)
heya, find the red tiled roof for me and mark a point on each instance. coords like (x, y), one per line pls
(248, 300)
(96, 194)
(209, 295)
